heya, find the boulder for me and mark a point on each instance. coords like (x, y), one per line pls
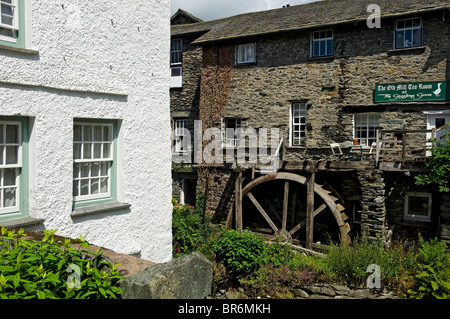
(187, 277)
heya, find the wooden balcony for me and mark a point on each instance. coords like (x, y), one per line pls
(406, 147)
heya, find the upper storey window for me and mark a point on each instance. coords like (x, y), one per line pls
(246, 53)
(408, 33)
(176, 61)
(322, 43)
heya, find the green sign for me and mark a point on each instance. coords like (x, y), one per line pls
(412, 92)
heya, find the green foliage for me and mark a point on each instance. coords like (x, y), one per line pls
(39, 269)
(239, 251)
(190, 228)
(349, 263)
(439, 167)
(433, 279)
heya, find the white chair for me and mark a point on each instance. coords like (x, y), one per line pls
(336, 149)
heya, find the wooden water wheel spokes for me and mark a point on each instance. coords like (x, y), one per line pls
(281, 231)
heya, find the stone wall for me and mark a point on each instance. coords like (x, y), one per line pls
(334, 88)
(316, 291)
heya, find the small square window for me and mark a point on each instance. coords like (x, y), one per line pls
(418, 206)
(246, 53)
(230, 136)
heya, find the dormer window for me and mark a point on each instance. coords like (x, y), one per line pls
(246, 53)
(408, 33)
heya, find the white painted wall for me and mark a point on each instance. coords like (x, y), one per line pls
(99, 59)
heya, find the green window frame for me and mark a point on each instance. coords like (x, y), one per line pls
(14, 33)
(20, 187)
(92, 172)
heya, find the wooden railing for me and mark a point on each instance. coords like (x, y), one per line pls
(408, 145)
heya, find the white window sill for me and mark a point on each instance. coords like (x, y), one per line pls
(22, 50)
(96, 209)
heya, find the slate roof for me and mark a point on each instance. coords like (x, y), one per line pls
(310, 15)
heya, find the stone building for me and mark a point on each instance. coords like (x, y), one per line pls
(84, 122)
(346, 105)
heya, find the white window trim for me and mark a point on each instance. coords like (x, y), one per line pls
(407, 216)
(181, 132)
(396, 29)
(109, 159)
(320, 40)
(246, 59)
(367, 126)
(227, 142)
(292, 124)
(17, 166)
(15, 16)
(176, 51)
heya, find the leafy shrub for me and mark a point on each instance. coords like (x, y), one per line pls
(438, 167)
(39, 269)
(433, 279)
(239, 251)
(190, 228)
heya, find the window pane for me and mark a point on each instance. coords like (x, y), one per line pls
(77, 151)
(76, 188)
(104, 169)
(12, 155)
(12, 134)
(400, 39)
(9, 177)
(107, 133)
(85, 170)
(87, 151)
(418, 206)
(104, 185)
(316, 48)
(2, 148)
(76, 170)
(95, 169)
(9, 197)
(94, 186)
(329, 47)
(77, 133)
(87, 131)
(1, 134)
(98, 134)
(98, 150)
(84, 187)
(322, 48)
(106, 150)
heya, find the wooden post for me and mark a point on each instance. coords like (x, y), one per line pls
(238, 202)
(310, 210)
(285, 205)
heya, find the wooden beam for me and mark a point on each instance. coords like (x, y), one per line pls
(262, 211)
(273, 210)
(285, 205)
(303, 222)
(310, 210)
(238, 202)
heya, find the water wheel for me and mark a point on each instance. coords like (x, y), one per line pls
(285, 224)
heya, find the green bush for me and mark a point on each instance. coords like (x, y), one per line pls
(239, 251)
(433, 278)
(40, 269)
(190, 227)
